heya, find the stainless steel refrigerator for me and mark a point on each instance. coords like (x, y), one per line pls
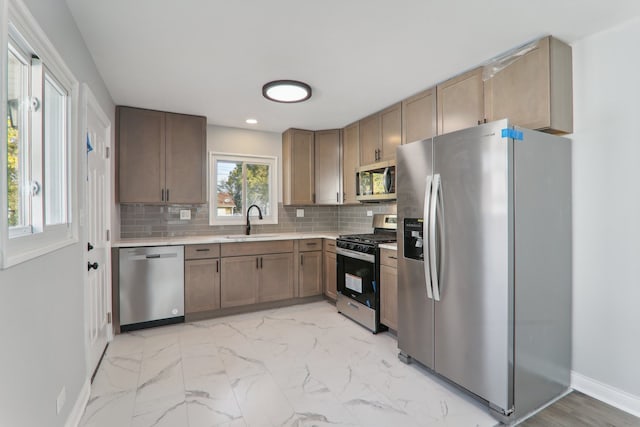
(484, 265)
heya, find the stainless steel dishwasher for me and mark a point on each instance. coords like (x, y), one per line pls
(151, 286)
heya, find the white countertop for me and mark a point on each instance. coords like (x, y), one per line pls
(196, 240)
(392, 246)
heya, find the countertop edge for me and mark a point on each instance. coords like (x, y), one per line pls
(198, 240)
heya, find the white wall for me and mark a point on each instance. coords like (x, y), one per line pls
(41, 301)
(242, 141)
(606, 209)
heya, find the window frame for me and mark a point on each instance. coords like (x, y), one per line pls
(271, 161)
(19, 26)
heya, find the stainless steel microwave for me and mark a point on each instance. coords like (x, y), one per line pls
(376, 182)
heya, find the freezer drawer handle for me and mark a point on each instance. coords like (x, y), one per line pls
(350, 304)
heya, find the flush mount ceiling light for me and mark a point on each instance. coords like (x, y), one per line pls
(287, 91)
(251, 121)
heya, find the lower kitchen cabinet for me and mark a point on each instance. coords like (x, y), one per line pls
(201, 278)
(239, 281)
(275, 277)
(310, 273)
(201, 285)
(256, 272)
(330, 270)
(389, 288)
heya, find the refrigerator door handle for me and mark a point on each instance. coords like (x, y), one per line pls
(435, 198)
(425, 234)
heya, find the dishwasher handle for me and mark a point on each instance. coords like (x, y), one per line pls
(144, 257)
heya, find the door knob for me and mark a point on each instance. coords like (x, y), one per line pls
(90, 266)
(89, 246)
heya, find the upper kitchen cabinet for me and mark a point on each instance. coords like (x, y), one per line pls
(298, 169)
(161, 157)
(419, 116)
(390, 132)
(380, 135)
(369, 137)
(327, 166)
(350, 162)
(460, 102)
(534, 90)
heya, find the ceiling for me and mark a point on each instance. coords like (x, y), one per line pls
(211, 57)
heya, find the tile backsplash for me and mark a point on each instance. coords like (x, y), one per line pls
(137, 220)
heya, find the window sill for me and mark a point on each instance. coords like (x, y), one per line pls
(27, 251)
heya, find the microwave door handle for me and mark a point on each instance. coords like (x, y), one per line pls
(425, 233)
(386, 178)
(437, 186)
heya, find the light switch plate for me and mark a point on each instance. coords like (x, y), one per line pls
(185, 214)
(369, 213)
(300, 213)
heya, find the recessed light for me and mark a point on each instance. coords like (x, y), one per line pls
(287, 91)
(251, 121)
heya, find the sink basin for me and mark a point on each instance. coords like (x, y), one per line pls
(249, 237)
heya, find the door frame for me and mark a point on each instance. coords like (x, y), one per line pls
(88, 100)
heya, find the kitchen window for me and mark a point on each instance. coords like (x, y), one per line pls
(40, 99)
(237, 182)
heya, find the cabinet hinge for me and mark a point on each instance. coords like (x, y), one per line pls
(109, 318)
(107, 151)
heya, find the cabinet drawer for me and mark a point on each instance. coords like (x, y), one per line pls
(330, 245)
(202, 251)
(389, 257)
(310, 245)
(256, 248)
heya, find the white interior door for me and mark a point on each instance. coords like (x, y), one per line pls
(98, 283)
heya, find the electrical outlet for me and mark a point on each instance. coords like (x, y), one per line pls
(300, 213)
(369, 213)
(62, 397)
(185, 214)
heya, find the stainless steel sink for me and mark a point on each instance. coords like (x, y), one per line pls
(249, 237)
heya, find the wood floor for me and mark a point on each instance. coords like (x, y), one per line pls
(579, 410)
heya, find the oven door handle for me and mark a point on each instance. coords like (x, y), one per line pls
(357, 255)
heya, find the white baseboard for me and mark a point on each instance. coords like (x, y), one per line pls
(78, 408)
(613, 396)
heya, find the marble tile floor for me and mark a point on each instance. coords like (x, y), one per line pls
(304, 365)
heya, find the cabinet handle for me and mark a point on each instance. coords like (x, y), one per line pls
(202, 250)
(257, 263)
(393, 257)
(479, 122)
(260, 262)
(338, 197)
(344, 197)
(301, 259)
(167, 194)
(217, 266)
(162, 195)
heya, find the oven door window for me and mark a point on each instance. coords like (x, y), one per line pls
(356, 280)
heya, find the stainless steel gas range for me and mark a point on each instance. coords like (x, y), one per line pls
(358, 259)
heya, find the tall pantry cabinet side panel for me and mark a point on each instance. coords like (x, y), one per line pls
(186, 164)
(542, 227)
(141, 155)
